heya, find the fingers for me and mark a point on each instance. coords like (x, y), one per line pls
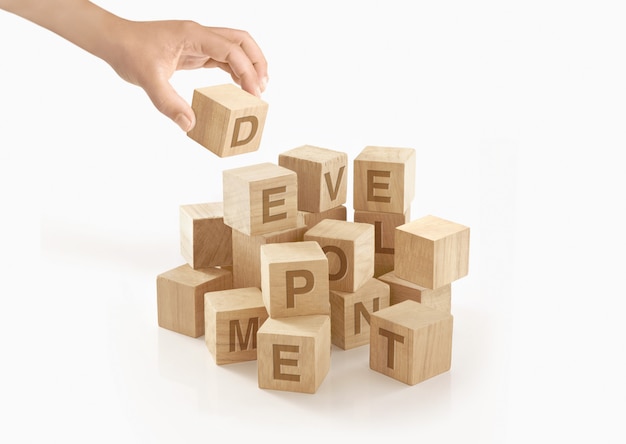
(236, 52)
(168, 102)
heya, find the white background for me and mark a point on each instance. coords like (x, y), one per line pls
(517, 111)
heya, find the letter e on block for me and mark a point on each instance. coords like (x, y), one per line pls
(260, 199)
(229, 120)
(294, 279)
(410, 342)
(294, 353)
(384, 179)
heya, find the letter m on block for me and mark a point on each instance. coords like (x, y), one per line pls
(236, 336)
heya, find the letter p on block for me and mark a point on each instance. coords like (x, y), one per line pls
(229, 120)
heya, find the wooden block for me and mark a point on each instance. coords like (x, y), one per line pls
(410, 342)
(232, 319)
(247, 253)
(384, 179)
(205, 240)
(431, 252)
(180, 297)
(350, 313)
(349, 247)
(260, 198)
(311, 219)
(229, 120)
(401, 290)
(294, 353)
(322, 176)
(294, 279)
(384, 234)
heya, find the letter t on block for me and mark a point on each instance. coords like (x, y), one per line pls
(229, 120)
(410, 342)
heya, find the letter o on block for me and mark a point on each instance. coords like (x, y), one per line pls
(229, 120)
(294, 279)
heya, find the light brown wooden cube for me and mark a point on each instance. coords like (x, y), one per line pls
(431, 252)
(401, 290)
(294, 279)
(229, 120)
(322, 176)
(293, 353)
(247, 253)
(205, 240)
(232, 319)
(260, 198)
(384, 234)
(311, 219)
(349, 247)
(410, 342)
(180, 297)
(384, 179)
(350, 313)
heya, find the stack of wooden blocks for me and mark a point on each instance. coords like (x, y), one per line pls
(276, 273)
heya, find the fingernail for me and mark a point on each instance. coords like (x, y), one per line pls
(264, 81)
(184, 123)
(257, 92)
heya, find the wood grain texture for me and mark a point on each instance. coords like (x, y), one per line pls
(229, 120)
(322, 176)
(401, 290)
(384, 179)
(410, 342)
(311, 219)
(431, 251)
(260, 198)
(180, 297)
(232, 320)
(205, 240)
(293, 354)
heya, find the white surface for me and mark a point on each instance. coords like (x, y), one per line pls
(517, 114)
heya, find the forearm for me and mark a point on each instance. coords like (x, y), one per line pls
(78, 21)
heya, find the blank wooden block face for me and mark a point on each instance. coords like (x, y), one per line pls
(232, 320)
(260, 198)
(294, 279)
(431, 252)
(322, 176)
(384, 179)
(410, 342)
(311, 219)
(229, 120)
(349, 247)
(294, 353)
(247, 253)
(205, 240)
(180, 297)
(402, 290)
(350, 313)
(384, 234)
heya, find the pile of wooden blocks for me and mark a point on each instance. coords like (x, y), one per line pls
(276, 273)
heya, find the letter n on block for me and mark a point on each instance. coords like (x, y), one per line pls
(322, 177)
(384, 179)
(294, 279)
(232, 320)
(410, 342)
(294, 353)
(350, 250)
(260, 199)
(350, 313)
(229, 120)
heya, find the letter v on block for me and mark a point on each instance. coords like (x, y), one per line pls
(333, 191)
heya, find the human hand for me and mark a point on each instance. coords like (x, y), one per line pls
(148, 53)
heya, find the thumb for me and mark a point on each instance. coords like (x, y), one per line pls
(171, 104)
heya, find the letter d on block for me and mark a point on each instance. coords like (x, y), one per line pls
(236, 141)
